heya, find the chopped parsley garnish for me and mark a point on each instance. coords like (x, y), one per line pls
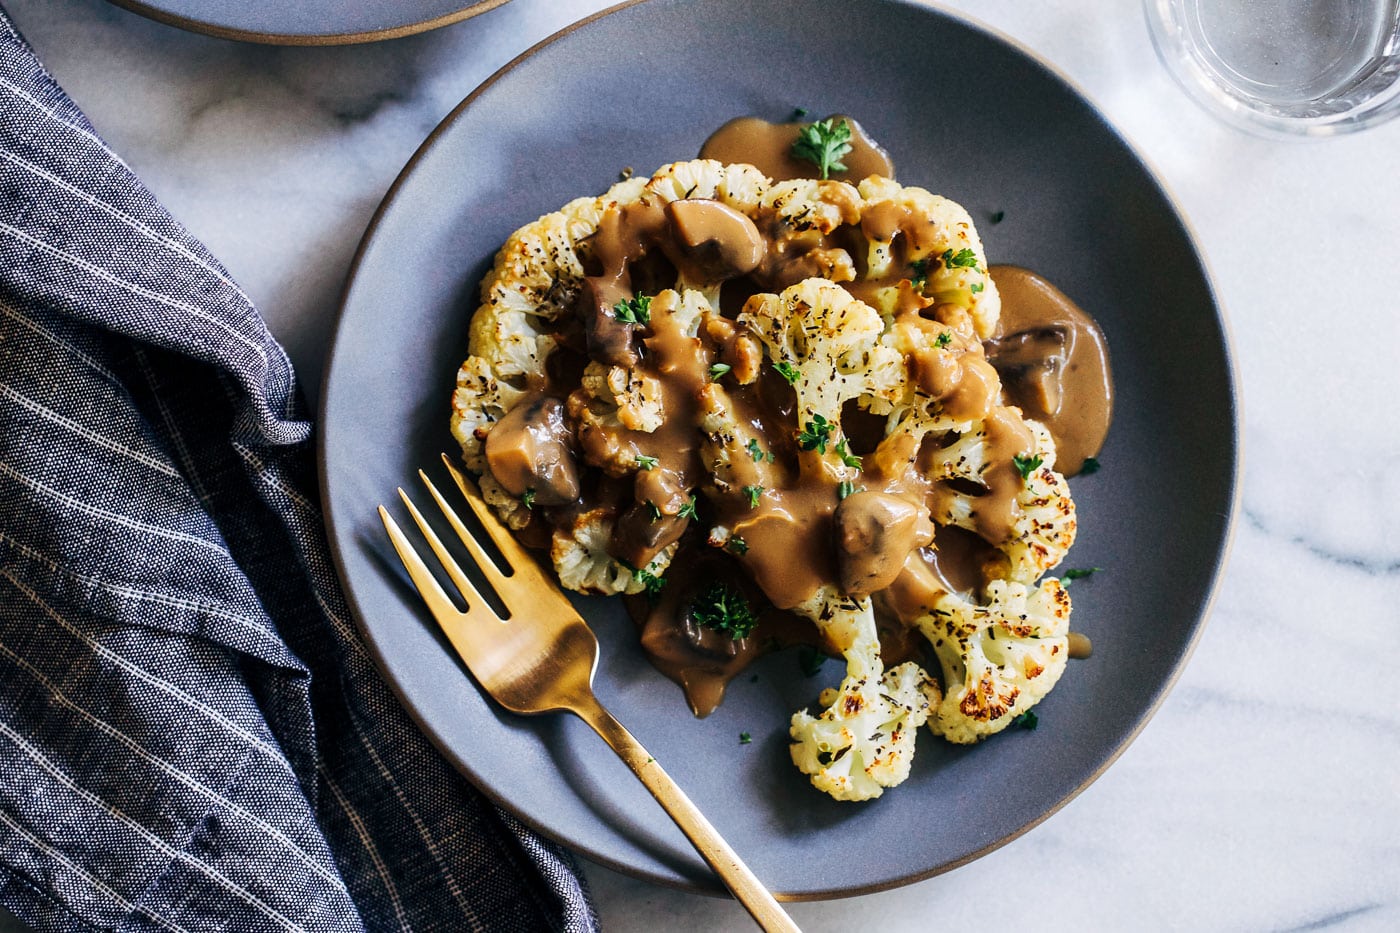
(1091, 465)
(738, 545)
(687, 510)
(964, 258)
(1027, 720)
(815, 435)
(655, 511)
(633, 310)
(975, 287)
(646, 463)
(745, 738)
(848, 458)
(823, 143)
(847, 488)
(798, 113)
(944, 339)
(724, 609)
(998, 216)
(811, 661)
(527, 499)
(1078, 573)
(753, 492)
(787, 371)
(756, 451)
(920, 269)
(1026, 465)
(719, 369)
(652, 582)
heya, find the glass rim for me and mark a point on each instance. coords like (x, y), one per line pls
(1210, 90)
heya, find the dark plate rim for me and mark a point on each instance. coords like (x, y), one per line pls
(472, 8)
(1206, 606)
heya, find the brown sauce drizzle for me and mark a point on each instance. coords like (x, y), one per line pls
(1053, 362)
(796, 534)
(768, 147)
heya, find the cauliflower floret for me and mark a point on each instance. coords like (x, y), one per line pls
(583, 563)
(1044, 524)
(740, 186)
(864, 741)
(630, 398)
(945, 246)
(831, 344)
(480, 400)
(535, 278)
(998, 660)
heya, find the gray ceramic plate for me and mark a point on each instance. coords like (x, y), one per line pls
(964, 113)
(309, 22)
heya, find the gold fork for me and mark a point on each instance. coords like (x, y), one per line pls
(541, 659)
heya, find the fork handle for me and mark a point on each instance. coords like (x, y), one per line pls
(737, 877)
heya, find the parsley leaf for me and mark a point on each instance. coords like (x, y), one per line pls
(976, 287)
(527, 499)
(724, 609)
(738, 545)
(1026, 465)
(1027, 720)
(944, 339)
(848, 458)
(811, 661)
(964, 258)
(646, 463)
(754, 450)
(847, 488)
(653, 584)
(823, 143)
(787, 371)
(719, 369)
(687, 510)
(920, 269)
(655, 511)
(1091, 466)
(798, 113)
(633, 310)
(815, 435)
(745, 738)
(998, 216)
(753, 492)
(1078, 573)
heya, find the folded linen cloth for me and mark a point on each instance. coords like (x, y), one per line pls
(192, 736)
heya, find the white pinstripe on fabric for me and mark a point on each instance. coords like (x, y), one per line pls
(53, 115)
(448, 877)
(76, 869)
(125, 521)
(27, 322)
(153, 840)
(100, 273)
(142, 674)
(184, 779)
(85, 433)
(368, 842)
(126, 219)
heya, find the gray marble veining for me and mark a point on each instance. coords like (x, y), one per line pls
(1265, 795)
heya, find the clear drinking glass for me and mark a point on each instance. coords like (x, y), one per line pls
(1284, 67)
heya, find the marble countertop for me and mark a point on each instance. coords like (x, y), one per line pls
(1265, 795)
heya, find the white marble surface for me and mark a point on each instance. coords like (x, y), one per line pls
(1265, 795)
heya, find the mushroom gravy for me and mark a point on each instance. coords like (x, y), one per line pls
(729, 453)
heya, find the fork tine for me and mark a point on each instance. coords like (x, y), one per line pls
(438, 602)
(493, 571)
(475, 602)
(511, 549)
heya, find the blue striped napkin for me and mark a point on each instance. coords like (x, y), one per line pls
(192, 736)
